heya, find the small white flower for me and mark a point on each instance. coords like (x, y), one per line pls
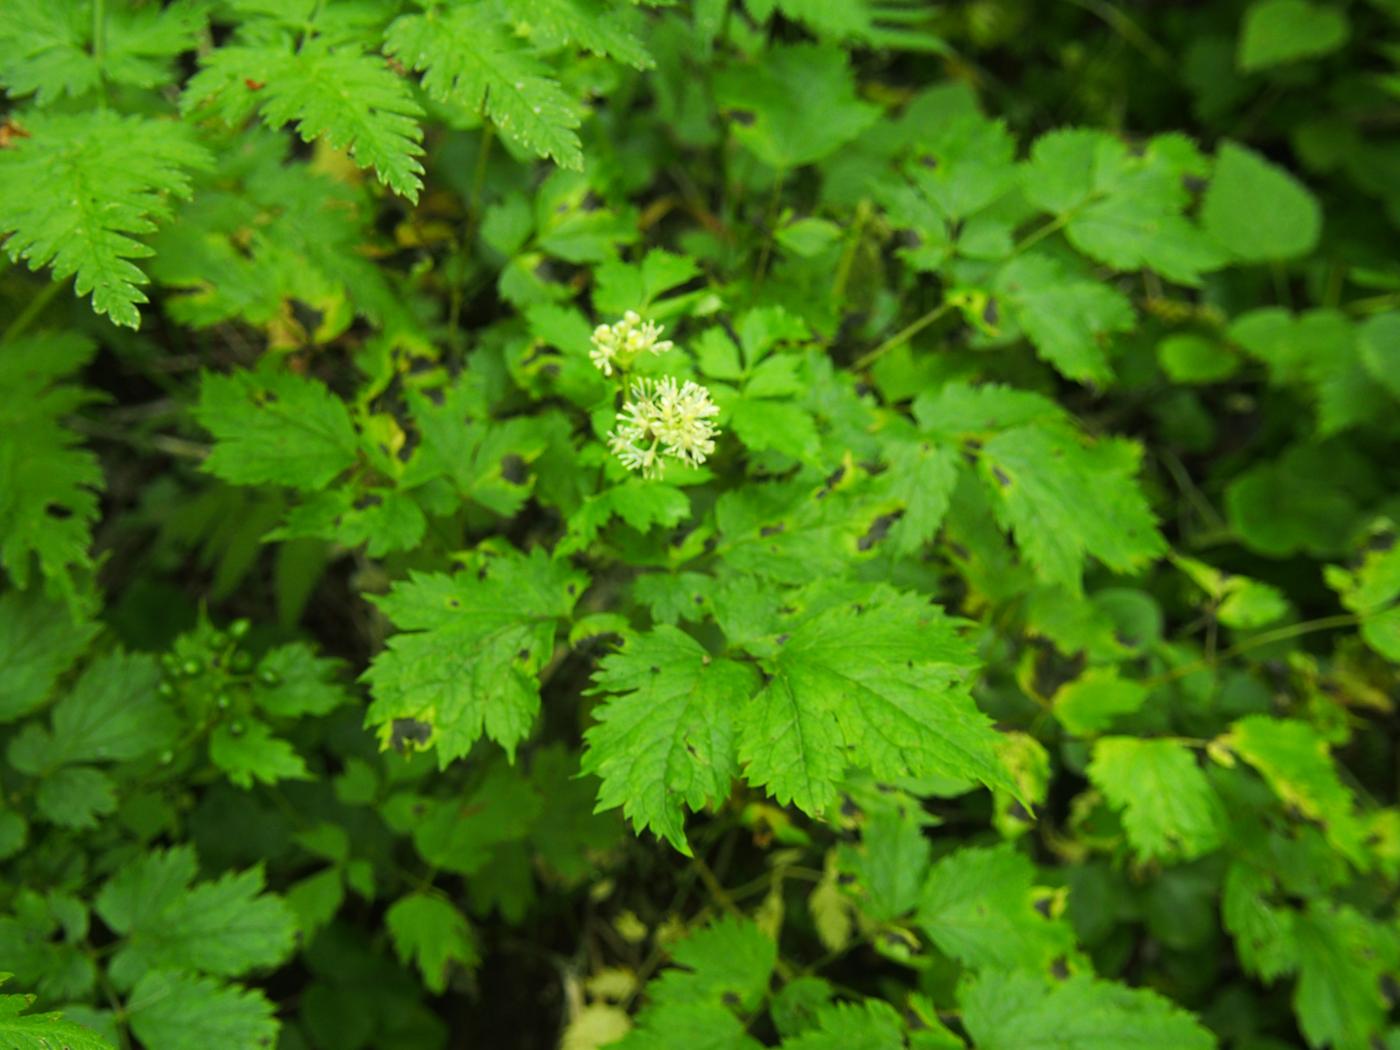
(664, 418)
(619, 344)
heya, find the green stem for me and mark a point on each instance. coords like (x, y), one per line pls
(99, 46)
(29, 313)
(1280, 634)
(771, 222)
(843, 269)
(1041, 232)
(903, 335)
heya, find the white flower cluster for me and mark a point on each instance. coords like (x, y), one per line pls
(619, 344)
(664, 418)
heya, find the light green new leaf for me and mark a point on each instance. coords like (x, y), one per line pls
(979, 905)
(871, 1025)
(1257, 210)
(351, 99)
(39, 640)
(78, 189)
(432, 934)
(1008, 1010)
(226, 928)
(687, 1026)
(21, 1031)
(1169, 809)
(667, 740)
(275, 428)
(469, 61)
(48, 497)
(1090, 703)
(469, 651)
(1293, 758)
(1067, 318)
(921, 477)
(1279, 31)
(179, 1011)
(880, 687)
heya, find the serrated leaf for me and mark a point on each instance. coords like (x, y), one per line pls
(979, 905)
(351, 99)
(921, 476)
(666, 740)
(1091, 702)
(226, 928)
(112, 714)
(594, 25)
(1064, 499)
(889, 865)
(1007, 1010)
(75, 796)
(294, 681)
(729, 962)
(247, 751)
(1067, 318)
(1258, 211)
(1264, 931)
(795, 107)
(1168, 807)
(469, 61)
(870, 1025)
(77, 190)
(880, 687)
(433, 934)
(1343, 958)
(179, 1011)
(48, 1031)
(275, 428)
(469, 651)
(1293, 758)
(39, 640)
(48, 485)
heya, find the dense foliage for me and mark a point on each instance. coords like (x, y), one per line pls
(832, 524)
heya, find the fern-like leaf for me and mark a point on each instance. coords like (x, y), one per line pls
(76, 191)
(352, 99)
(469, 62)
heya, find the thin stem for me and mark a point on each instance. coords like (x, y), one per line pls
(843, 269)
(1041, 232)
(903, 335)
(1280, 634)
(1128, 30)
(29, 313)
(770, 223)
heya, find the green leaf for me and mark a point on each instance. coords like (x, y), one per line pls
(1264, 932)
(1067, 318)
(1187, 357)
(1092, 702)
(48, 487)
(1258, 211)
(225, 928)
(39, 640)
(294, 681)
(21, 1031)
(77, 190)
(889, 865)
(275, 428)
(1018, 1011)
(351, 99)
(1169, 809)
(75, 796)
(246, 750)
(467, 658)
(666, 740)
(179, 1011)
(879, 686)
(1380, 350)
(1293, 758)
(962, 164)
(1343, 957)
(728, 962)
(47, 49)
(112, 714)
(796, 106)
(434, 935)
(599, 26)
(870, 1025)
(921, 477)
(979, 905)
(470, 62)
(1279, 31)
(1064, 499)
(687, 1026)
